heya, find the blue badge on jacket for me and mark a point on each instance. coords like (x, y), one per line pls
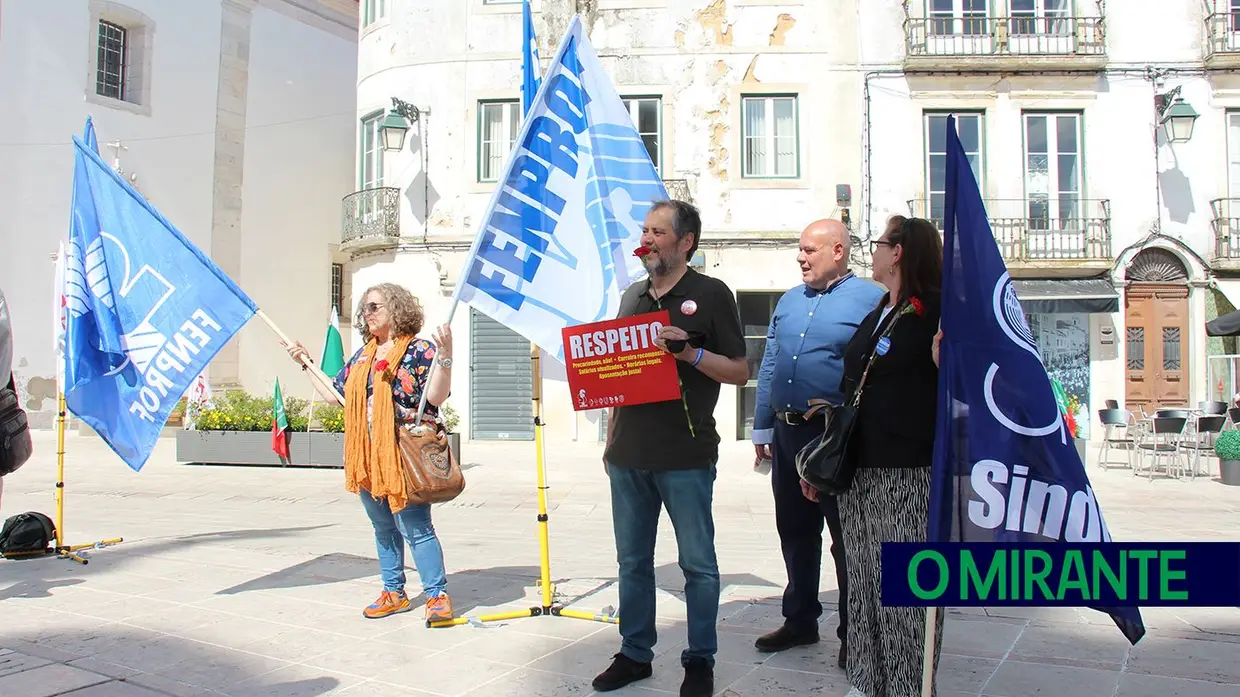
(884, 345)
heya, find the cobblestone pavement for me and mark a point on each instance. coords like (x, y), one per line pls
(250, 581)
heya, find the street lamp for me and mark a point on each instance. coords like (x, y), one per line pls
(1178, 121)
(396, 126)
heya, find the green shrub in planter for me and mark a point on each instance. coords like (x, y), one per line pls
(331, 417)
(1227, 446)
(449, 417)
(237, 410)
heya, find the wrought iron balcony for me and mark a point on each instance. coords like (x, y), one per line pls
(678, 190)
(1225, 220)
(1018, 44)
(1042, 231)
(1223, 40)
(370, 219)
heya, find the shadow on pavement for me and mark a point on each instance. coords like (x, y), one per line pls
(74, 658)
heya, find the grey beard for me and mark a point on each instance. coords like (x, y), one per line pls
(659, 267)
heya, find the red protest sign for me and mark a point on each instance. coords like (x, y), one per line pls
(616, 363)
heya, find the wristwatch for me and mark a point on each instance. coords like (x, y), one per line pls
(444, 362)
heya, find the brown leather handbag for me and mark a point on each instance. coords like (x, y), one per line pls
(431, 471)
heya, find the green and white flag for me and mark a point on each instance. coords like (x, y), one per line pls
(333, 348)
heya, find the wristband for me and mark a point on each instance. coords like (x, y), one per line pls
(701, 352)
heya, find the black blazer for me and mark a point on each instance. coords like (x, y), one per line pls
(896, 417)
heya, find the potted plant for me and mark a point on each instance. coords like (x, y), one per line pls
(450, 421)
(1227, 447)
(1074, 428)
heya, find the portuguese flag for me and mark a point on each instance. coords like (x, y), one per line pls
(333, 347)
(279, 424)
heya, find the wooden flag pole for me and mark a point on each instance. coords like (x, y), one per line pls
(315, 374)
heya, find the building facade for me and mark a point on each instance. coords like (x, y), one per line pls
(768, 115)
(233, 117)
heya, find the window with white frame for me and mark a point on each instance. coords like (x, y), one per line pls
(112, 63)
(498, 123)
(1053, 176)
(1041, 17)
(1233, 155)
(370, 166)
(373, 11)
(647, 113)
(956, 17)
(769, 133)
(969, 128)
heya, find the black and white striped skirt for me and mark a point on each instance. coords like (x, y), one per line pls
(885, 644)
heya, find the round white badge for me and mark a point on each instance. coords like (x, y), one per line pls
(688, 307)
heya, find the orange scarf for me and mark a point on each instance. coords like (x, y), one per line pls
(371, 458)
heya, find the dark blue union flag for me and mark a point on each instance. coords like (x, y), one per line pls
(1005, 468)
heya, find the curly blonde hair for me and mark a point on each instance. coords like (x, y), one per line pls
(402, 306)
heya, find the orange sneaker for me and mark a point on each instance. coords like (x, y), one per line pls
(389, 603)
(439, 608)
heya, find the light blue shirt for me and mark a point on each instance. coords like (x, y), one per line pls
(804, 357)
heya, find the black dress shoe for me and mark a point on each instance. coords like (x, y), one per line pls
(622, 671)
(784, 638)
(699, 679)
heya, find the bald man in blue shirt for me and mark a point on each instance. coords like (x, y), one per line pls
(804, 360)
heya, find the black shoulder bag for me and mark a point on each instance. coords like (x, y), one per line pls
(15, 444)
(823, 462)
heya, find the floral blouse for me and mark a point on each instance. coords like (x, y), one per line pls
(407, 386)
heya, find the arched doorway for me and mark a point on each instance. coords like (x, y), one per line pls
(1156, 331)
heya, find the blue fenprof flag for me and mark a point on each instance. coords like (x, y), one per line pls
(554, 247)
(1005, 468)
(530, 70)
(147, 311)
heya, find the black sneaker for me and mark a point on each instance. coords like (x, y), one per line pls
(784, 638)
(699, 679)
(622, 671)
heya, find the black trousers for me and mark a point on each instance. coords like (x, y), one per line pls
(799, 522)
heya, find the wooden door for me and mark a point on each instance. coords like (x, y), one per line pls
(1156, 342)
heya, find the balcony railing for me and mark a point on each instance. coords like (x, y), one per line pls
(1005, 36)
(1223, 35)
(678, 190)
(1226, 223)
(370, 216)
(1040, 229)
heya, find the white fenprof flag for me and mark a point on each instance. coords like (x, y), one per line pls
(60, 319)
(555, 246)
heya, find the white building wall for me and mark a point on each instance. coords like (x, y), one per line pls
(297, 134)
(860, 121)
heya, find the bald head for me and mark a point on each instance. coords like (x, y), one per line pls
(823, 255)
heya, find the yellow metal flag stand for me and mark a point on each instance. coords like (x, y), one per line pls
(68, 551)
(548, 606)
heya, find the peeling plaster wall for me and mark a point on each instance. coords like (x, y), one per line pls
(700, 56)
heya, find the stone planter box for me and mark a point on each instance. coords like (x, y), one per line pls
(454, 444)
(254, 448)
(1082, 449)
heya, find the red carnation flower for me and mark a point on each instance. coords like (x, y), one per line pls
(919, 308)
(381, 366)
(642, 251)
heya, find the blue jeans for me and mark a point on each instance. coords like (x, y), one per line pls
(413, 523)
(636, 498)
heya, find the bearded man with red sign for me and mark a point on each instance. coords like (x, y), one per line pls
(663, 454)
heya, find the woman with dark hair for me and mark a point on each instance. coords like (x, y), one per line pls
(382, 385)
(892, 447)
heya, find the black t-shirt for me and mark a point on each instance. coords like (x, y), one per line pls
(656, 436)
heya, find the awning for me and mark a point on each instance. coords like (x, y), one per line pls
(1063, 295)
(1224, 325)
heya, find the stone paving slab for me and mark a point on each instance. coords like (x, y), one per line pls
(250, 581)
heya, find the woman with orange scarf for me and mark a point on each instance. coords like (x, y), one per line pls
(392, 365)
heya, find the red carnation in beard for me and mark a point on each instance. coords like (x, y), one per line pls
(642, 252)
